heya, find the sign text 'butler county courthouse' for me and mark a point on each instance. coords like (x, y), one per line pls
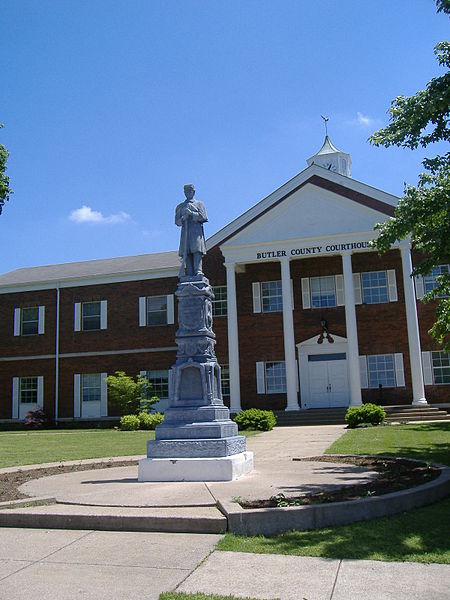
(313, 250)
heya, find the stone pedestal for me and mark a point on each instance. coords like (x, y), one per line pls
(197, 440)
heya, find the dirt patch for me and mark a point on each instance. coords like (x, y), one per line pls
(393, 475)
(10, 482)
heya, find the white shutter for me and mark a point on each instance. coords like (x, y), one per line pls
(170, 309)
(15, 398)
(296, 376)
(104, 395)
(256, 289)
(77, 396)
(142, 311)
(77, 317)
(260, 378)
(363, 372)
(41, 322)
(392, 285)
(103, 314)
(340, 297)
(292, 294)
(40, 391)
(399, 370)
(420, 287)
(357, 288)
(306, 297)
(427, 368)
(17, 321)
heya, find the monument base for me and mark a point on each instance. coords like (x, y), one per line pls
(226, 468)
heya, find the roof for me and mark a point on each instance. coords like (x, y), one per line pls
(91, 269)
(328, 147)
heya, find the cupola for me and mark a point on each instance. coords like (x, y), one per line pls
(332, 159)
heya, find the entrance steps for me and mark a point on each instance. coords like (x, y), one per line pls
(415, 413)
(336, 416)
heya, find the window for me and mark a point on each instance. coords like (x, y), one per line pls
(156, 310)
(275, 377)
(159, 381)
(374, 286)
(91, 387)
(219, 304)
(441, 367)
(225, 380)
(381, 370)
(91, 315)
(323, 292)
(429, 281)
(30, 321)
(28, 390)
(271, 295)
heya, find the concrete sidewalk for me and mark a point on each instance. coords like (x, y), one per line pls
(106, 565)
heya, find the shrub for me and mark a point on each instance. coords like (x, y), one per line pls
(149, 421)
(365, 414)
(254, 418)
(128, 395)
(129, 423)
(35, 418)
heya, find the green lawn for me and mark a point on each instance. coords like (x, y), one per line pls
(419, 535)
(34, 447)
(425, 441)
(198, 596)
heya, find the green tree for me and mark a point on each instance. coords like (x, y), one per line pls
(424, 210)
(5, 190)
(128, 395)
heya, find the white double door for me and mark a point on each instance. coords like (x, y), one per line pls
(328, 380)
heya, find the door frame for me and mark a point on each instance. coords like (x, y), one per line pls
(311, 346)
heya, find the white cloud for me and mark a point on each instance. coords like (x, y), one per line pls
(85, 214)
(364, 120)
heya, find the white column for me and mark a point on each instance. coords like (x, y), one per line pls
(412, 323)
(289, 338)
(352, 332)
(233, 340)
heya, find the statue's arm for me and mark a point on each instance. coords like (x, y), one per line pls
(200, 213)
(178, 217)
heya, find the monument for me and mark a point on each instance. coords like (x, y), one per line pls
(197, 440)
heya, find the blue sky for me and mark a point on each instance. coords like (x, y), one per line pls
(111, 106)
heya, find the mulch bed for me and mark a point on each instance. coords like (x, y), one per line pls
(10, 482)
(393, 475)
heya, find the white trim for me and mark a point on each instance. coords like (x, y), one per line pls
(41, 320)
(142, 311)
(17, 320)
(306, 295)
(82, 354)
(363, 372)
(170, 309)
(76, 396)
(15, 398)
(260, 378)
(357, 288)
(399, 370)
(292, 294)
(77, 316)
(392, 285)
(40, 391)
(256, 291)
(420, 287)
(103, 314)
(340, 295)
(104, 395)
(427, 368)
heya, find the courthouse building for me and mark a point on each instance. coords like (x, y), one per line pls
(307, 315)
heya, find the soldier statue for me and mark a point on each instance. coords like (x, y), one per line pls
(190, 216)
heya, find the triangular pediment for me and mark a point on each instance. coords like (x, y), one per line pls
(314, 341)
(309, 212)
